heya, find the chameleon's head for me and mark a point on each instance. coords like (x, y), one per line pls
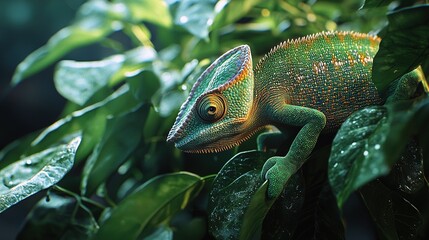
(215, 115)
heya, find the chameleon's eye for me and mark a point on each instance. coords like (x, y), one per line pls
(211, 108)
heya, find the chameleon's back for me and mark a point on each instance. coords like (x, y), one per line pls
(329, 71)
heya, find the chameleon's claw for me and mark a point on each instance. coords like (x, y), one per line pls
(277, 173)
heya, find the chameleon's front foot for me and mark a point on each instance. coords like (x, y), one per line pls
(277, 170)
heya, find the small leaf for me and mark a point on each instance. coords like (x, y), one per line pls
(35, 173)
(196, 16)
(153, 202)
(405, 46)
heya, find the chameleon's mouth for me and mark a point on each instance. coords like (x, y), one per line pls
(222, 144)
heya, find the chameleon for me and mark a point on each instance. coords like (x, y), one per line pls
(312, 84)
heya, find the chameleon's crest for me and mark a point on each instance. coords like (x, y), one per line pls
(229, 69)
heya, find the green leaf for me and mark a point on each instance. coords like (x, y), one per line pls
(230, 11)
(35, 173)
(356, 155)
(395, 217)
(282, 219)
(95, 21)
(370, 141)
(405, 46)
(154, 11)
(255, 213)
(155, 201)
(117, 103)
(79, 81)
(120, 139)
(196, 16)
(233, 190)
(144, 85)
(58, 218)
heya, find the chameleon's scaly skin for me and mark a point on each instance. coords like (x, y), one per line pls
(330, 72)
(313, 83)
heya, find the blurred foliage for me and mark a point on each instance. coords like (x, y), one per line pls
(131, 184)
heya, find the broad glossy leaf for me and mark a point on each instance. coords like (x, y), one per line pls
(156, 200)
(95, 21)
(356, 155)
(35, 173)
(79, 81)
(394, 216)
(196, 16)
(371, 141)
(58, 218)
(405, 46)
(121, 137)
(233, 190)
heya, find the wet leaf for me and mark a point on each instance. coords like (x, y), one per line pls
(155, 201)
(371, 141)
(121, 137)
(35, 173)
(58, 218)
(233, 190)
(356, 152)
(78, 81)
(405, 46)
(394, 216)
(196, 16)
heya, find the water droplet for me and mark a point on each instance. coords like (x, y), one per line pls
(9, 182)
(28, 162)
(335, 165)
(365, 153)
(377, 146)
(184, 87)
(183, 19)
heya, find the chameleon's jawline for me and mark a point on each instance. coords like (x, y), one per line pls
(216, 149)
